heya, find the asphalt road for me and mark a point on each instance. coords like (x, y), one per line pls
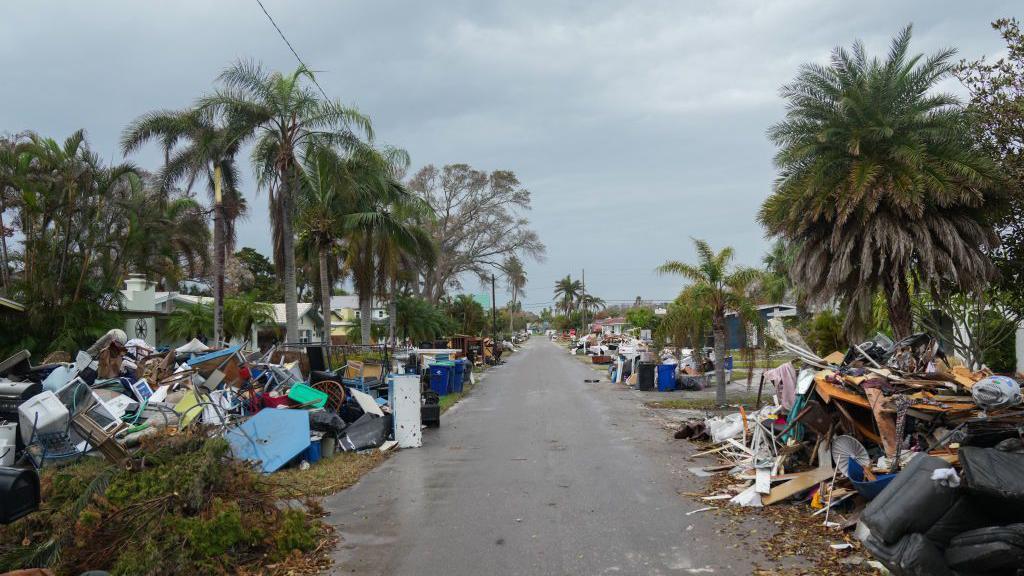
(536, 473)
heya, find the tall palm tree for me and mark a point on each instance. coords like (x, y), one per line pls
(515, 278)
(719, 287)
(879, 183)
(567, 292)
(198, 145)
(324, 200)
(591, 303)
(383, 227)
(287, 118)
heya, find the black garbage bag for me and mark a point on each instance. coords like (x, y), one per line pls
(995, 550)
(992, 472)
(325, 421)
(912, 555)
(350, 412)
(911, 503)
(968, 513)
(368, 432)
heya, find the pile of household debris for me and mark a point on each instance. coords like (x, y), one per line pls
(275, 409)
(921, 455)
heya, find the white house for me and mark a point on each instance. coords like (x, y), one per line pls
(147, 311)
(616, 325)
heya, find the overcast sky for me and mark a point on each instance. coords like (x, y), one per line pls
(635, 125)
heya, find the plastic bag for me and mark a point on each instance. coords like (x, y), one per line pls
(992, 550)
(913, 555)
(912, 502)
(725, 427)
(992, 472)
(996, 392)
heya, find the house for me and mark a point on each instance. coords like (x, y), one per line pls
(346, 315)
(148, 310)
(608, 326)
(737, 336)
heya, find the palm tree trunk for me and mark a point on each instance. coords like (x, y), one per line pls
(3, 247)
(718, 326)
(512, 311)
(291, 303)
(392, 311)
(897, 300)
(365, 310)
(218, 273)
(325, 296)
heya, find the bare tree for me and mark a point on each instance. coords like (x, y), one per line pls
(479, 223)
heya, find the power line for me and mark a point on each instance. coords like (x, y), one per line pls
(289, 44)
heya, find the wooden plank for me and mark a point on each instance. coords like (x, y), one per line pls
(804, 481)
(885, 421)
(829, 392)
(835, 358)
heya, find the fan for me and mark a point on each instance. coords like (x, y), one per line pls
(846, 448)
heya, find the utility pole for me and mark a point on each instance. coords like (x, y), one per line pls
(583, 301)
(494, 317)
(583, 310)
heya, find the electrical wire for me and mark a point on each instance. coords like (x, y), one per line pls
(290, 47)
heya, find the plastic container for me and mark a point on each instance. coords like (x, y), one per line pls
(307, 396)
(645, 379)
(312, 454)
(45, 413)
(6, 452)
(460, 371)
(666, 377)
(440, 378)
(9, 433)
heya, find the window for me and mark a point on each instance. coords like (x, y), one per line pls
(380, 313)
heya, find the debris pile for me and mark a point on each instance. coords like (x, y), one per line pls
(922, 455)
(173, 443)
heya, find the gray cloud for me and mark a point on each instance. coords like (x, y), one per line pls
(635, 125)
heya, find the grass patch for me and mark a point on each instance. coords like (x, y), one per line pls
(449, 400)
(328, 476)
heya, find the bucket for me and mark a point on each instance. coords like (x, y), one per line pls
(327, 446)
(6, 453)
(8, 433)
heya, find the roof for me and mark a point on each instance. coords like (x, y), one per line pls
(613, 321)
(279, 313)
(350, 301)
(178, 297)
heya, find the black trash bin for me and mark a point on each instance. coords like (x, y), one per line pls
(645, 381)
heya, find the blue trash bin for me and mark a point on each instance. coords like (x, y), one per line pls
(440, 378)
(460, 371)
(666, 377)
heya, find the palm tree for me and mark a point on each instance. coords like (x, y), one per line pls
(383, 227)
(719, 287)
(568, 291)
(196, 145)
(244, 312)
(323, 202)
(287, 118)
(515, 278)
(190, 321)
(879, 183)
(591, 303)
